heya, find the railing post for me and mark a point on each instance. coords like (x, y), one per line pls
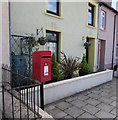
(42, 96)
(3, 101)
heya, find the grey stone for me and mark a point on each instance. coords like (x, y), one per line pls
(83, 97)
(105, 94)
(105, 107)
(74, 111)
(94, 96)
(69, 99)
(92, 101)
(91, 109)
(113, 111)
(63, 105)
(68, 116)
(97, 92)
(48, 108)
(104, 114)
(86, 115)
(113, 103)
(113, 97)
(105, 100)
(78, 103)
(57, 113)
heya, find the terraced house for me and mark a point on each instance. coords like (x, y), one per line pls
(106, 37)
(70, 28)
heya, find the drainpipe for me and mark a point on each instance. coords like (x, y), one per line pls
(10, 32)
(114, 39)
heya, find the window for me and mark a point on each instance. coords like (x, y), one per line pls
(91, 15)
(117, 50)
(53, 7)
(102, 21)
(52, 43)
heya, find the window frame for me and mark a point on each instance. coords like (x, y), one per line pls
(57, 40)
(57, 9)
(92, 13)
(103, 28)
(116, 50)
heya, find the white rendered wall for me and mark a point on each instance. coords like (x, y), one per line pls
(4, 39)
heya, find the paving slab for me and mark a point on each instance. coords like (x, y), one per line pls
(105, 107)
(57, 113)
(106, 100)
(113, 103)
(104, 114)
(86, 115)
(74, 112)
(93, 101)
(63, 105)
(78, 103)
(91, 109)
(114, 111)
(94, 96)
(98, 102)
(83, 97)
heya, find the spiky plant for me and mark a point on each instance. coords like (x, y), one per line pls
(68, 65)
(55, 74)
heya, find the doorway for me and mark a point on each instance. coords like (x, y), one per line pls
(90, 56)
(101, 55)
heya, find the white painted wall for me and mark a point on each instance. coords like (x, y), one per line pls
(56, 91)
(4, 40)
(66, 88)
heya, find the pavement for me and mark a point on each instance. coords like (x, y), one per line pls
(98, 102)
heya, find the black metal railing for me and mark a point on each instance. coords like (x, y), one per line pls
(20, 100)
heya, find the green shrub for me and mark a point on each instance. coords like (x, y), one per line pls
(84, 67)
(68, 65)
(55, 74)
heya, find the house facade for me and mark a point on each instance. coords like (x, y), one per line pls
(70, 29)
(105, 37)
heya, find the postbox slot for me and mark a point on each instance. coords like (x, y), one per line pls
(46, 57)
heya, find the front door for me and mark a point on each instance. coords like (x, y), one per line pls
(101, 54)
(90, 56)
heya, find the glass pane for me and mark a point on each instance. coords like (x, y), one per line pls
(52, 47)
(117, 52)
(51, 36)
(102, 21)
(90, 8)
(52, 5)
(90, 18)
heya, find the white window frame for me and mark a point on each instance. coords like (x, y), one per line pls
(103, 20)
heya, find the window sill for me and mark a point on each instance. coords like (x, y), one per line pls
(103, 30)
(52, 15)
(93, 27)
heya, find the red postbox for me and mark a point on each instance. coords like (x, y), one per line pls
(41, 65)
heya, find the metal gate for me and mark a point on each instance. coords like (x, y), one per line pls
(21, 55)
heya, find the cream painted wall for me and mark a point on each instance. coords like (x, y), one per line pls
(27, 17)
